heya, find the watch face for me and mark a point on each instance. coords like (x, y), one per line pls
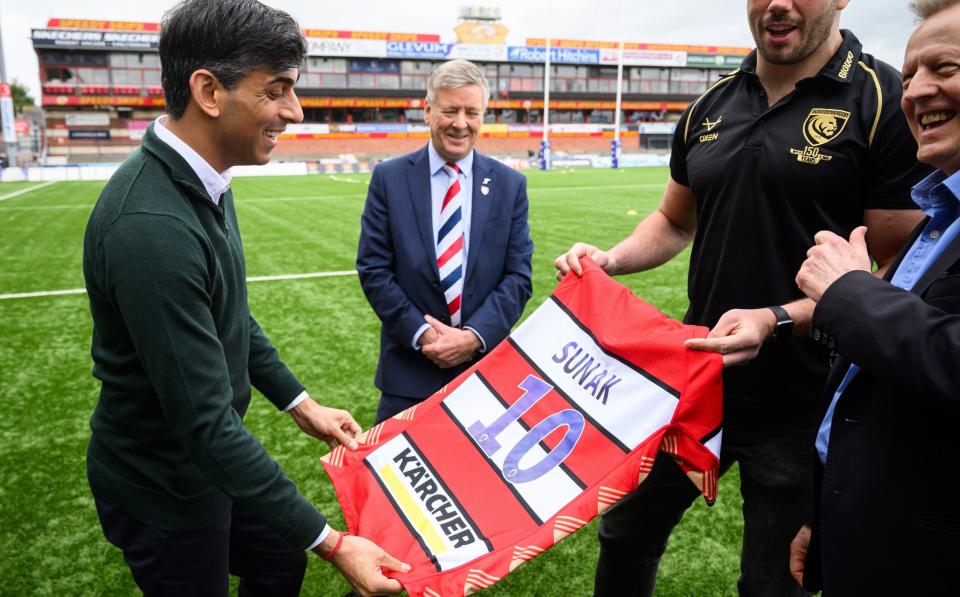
(783, 331)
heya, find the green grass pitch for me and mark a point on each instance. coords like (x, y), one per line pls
(51, 543)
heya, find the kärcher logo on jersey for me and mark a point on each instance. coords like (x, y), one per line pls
(444, 530)
(434, 500)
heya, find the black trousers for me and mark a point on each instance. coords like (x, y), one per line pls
(200, 562)
(391, 404)
(776, 482)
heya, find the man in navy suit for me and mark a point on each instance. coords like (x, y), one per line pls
(444, 255)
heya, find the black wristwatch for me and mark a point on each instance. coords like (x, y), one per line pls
(783, 330)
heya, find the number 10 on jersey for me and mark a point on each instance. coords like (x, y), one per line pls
(534, 389)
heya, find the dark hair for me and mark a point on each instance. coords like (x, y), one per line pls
(230, 38)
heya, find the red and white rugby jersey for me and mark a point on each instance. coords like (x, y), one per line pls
(551, 428)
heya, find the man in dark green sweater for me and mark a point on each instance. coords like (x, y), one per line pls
(180, 484)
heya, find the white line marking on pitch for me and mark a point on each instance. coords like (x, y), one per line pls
(336, 178)
(68, 291)
(27, 190)
(42, 293)
(241, 202)
(349, 272)
(639, 185)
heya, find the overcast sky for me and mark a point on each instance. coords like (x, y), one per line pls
(882, 25)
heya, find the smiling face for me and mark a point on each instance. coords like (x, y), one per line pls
(254, 114)
(789, 31)
(931, 89)
(455, 116)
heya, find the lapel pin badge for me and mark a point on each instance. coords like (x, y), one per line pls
(484, 189)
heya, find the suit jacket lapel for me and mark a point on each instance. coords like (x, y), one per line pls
(480, 210)
(418, 178)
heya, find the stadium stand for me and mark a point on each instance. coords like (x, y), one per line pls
(362, 92)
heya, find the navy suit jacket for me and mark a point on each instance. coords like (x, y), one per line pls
(396, 260)
(885, 518)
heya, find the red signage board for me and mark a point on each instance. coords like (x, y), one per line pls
(102, 100)
(424, 37)
(101, 25)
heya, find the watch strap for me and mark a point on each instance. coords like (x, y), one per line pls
(784, 326)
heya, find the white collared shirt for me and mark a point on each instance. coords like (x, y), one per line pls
(216, 183)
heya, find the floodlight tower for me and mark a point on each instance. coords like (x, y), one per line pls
(615, 144)
(545, 143)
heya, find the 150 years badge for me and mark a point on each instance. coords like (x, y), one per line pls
(821, 126)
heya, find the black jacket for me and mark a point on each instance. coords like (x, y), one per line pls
(886, 518)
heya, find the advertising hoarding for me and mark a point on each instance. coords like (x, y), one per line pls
(354, 48)
(115, 40)
(557, 55)
(635, 57)
(88, 119)
(6, 114)
(418, 49)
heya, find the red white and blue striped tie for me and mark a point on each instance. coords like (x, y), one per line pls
(450, 244)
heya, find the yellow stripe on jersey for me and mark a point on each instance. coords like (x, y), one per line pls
(876, 83)
(412, 511)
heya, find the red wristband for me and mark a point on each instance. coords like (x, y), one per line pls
(336, 547)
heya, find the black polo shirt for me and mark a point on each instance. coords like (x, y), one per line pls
(767, 179)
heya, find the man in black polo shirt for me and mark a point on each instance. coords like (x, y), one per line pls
(806, 135)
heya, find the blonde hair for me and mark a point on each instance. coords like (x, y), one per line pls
(457, 73)
(924, 9)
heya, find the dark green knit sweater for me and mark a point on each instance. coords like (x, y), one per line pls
(176, 350)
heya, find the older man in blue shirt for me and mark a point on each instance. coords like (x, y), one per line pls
(885, 519)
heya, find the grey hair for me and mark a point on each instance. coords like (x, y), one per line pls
(457, 73)
(924, 9)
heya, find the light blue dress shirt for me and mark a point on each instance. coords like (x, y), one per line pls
(939, 197)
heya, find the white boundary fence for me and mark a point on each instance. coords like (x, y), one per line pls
(105, 171)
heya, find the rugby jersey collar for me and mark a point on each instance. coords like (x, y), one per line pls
(838, 68)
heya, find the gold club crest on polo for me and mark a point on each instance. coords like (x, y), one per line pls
(824, 125)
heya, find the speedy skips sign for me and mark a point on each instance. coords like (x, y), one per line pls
(550, 429)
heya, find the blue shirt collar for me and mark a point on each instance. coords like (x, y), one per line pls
(437, 162)
(935, 189)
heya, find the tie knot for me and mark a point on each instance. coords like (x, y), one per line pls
(451, 168)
